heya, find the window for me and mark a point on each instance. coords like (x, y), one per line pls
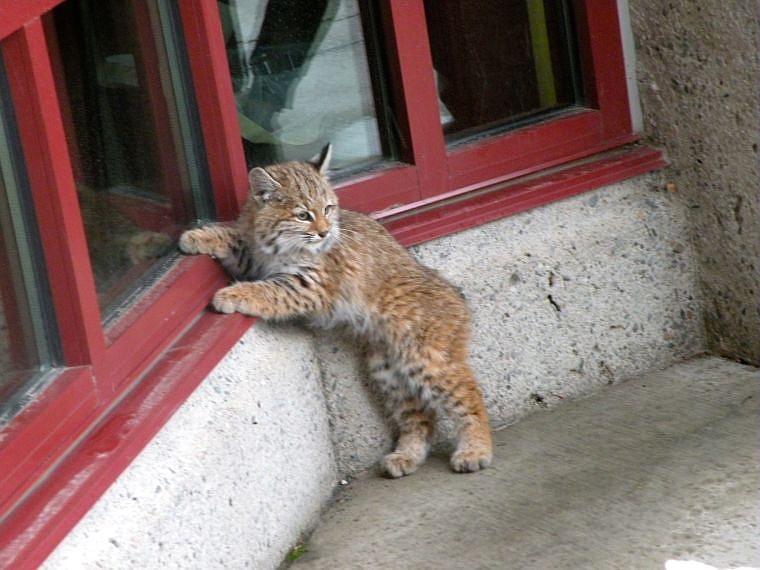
(27, 328)
(131, 136)
(499, 63)
(301, 77)
(123, 122)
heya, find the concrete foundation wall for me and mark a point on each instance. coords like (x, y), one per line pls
(699, 80)
(231, 481)
(566, 298)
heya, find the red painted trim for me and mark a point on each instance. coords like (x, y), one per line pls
(411, 67)
(379, 190)
(161, 314)
(518, 195)
(14, 14)
(601, 47)
(60, 501)
(43, 140)
(35, 438)
(216, 104)
(532, 149)
(67, 117)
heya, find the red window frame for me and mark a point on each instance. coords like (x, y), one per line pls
(91, 419)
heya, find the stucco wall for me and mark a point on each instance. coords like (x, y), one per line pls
(699, 80)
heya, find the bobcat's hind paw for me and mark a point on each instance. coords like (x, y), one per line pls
(469, 460)
(398, 464)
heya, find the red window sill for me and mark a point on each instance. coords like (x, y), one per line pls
(468, 207)
(30, 532)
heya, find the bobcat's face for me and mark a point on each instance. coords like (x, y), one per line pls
(318, 224)
(296, 210)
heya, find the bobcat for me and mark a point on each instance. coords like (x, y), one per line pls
(294, 252)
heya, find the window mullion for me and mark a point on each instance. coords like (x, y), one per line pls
(415, 92)
(216, 104)
(598, 28)
(54, 195)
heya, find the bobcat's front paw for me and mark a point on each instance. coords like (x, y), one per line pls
(232, 299)
(195, 242)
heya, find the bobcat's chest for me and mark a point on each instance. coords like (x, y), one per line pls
(346, 313)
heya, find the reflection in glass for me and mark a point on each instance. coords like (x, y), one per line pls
(132, 136)
(301, 79)
(498, 62)
(26, 326)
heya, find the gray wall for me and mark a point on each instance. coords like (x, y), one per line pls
(231, 481)
(699, 79)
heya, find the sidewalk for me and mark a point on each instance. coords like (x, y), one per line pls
(658, 468)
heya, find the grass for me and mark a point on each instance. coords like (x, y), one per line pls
(295, 553)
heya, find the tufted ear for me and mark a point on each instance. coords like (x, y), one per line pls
(262, 186)
(321, 161)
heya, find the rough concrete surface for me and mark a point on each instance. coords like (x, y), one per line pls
(566, 299)
(662, 467)
(241, 470)
(699, 80)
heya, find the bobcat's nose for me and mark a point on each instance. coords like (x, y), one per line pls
(323, 233)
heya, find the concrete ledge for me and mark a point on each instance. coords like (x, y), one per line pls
(234, 478)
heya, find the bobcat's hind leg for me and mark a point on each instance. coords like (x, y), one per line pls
(415, 428)
(415, 423)
(464, 401)
(216, 241)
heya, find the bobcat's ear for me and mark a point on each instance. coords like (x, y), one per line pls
(263, 187)
(321, 161)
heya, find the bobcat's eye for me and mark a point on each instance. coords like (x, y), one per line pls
(303, 216)
(329, 209)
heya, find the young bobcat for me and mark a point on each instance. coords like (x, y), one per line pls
(294, 253)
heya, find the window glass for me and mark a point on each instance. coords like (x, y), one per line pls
(26, 325)
(301, 79)
(132, 134)
(498, 62)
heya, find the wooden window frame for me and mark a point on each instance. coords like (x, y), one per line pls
(70, 444)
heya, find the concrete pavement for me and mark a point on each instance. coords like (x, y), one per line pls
(663, 467)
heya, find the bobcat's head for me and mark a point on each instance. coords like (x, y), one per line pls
(295, 209)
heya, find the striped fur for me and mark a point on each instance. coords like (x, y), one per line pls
(293, 252)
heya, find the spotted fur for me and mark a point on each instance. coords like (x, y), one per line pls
(293, 252)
